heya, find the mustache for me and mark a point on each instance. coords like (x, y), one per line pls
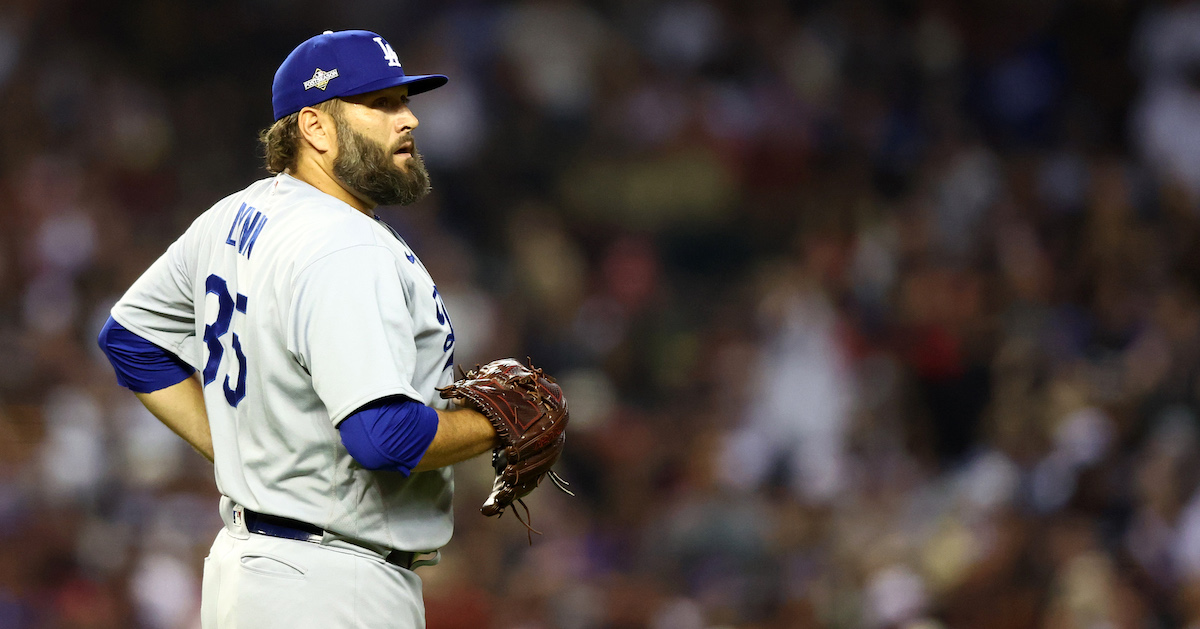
(405, 139)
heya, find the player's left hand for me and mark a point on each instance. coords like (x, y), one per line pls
(529, 413)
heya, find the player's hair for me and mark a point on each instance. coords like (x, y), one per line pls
(281, 141)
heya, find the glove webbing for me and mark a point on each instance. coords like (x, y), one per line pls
(559, 482)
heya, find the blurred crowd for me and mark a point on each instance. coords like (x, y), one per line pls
(870, 314)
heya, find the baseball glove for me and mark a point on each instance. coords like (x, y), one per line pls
(529, 413)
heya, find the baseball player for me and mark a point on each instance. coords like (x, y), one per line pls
(297, 341)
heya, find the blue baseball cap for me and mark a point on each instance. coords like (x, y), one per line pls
(344, 63)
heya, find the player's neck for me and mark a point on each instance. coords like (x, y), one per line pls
(314, 175)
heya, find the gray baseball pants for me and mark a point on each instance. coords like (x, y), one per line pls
(254, 581)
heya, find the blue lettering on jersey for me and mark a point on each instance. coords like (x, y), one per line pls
(238, 219)
(443, 317)
(252, 222)
(213, 332)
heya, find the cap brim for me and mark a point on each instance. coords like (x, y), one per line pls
(416, 84)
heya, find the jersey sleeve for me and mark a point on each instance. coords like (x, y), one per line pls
(350, 328)
(140, 366)
(159, 307)
(389, 435)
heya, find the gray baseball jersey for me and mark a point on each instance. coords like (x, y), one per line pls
(297, 310)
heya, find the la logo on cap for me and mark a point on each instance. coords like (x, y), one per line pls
(389, 55)
(320, 79)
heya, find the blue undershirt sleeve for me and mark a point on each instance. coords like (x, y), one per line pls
(141, 366)
(390, 434)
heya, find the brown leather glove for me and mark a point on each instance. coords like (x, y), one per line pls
(530, 415)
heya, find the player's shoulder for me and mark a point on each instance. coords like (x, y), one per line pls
(216, 217)
(291, 223)
(317, 224)
(252, 194)
(256, 192)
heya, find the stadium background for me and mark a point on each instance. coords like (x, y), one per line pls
(871, 314)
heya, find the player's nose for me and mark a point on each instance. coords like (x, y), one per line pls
(406, 120)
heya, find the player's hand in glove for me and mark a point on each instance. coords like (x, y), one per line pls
(529, 413)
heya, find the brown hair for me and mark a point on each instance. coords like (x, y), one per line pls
(281, 141)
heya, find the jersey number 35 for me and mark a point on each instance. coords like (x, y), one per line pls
(226, 304)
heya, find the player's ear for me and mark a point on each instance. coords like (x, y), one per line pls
(317, 129)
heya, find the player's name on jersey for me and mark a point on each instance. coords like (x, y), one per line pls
(251, 222)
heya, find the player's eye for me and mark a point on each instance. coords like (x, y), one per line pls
(389, 103)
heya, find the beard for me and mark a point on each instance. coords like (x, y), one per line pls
(368, 168)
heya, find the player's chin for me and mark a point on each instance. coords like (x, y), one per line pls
(402, 159)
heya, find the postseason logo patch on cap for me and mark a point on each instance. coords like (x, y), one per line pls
(320, 79)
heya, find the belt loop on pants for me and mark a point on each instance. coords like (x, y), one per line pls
(287, 528)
